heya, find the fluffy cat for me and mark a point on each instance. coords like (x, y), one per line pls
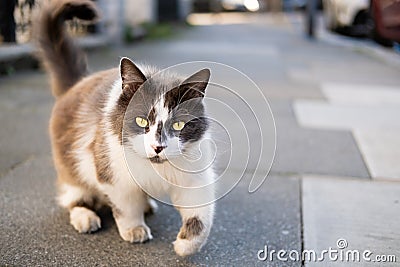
(87, 125)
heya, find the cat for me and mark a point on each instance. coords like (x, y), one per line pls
(90, 127)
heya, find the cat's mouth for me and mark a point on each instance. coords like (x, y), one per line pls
(157, 159)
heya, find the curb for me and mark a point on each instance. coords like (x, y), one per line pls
(22, 56)
(369, 47)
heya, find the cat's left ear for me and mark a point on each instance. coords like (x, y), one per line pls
(195, 85)
(132, 77)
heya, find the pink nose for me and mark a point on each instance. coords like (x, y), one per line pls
(158, 149)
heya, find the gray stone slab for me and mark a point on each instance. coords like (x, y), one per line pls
(380, 149)
(370, 111)
(34, 231)
(324, 115)
(364, 213)
(372, 95)
(301, 150)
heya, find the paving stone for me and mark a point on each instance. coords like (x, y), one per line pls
(361, 94)
(380, 149)
(364, 213)
(370, 112)
(318, 151)
(324, 115)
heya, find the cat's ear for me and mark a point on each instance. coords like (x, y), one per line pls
(131, 75)
(195, 85)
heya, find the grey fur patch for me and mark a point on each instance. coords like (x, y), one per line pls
(189, 109)
(185, 102)
(192, 227)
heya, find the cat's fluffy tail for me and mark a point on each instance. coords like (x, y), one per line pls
(65, 62)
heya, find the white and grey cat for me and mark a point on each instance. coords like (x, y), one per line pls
(88, 145)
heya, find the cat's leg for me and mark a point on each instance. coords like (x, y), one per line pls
(80, 203)
(196, 226)
(197, 219)
(151, 206)
(128, 207)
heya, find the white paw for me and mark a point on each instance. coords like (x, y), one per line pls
(138, 234)
(84, 220)
(184, 247)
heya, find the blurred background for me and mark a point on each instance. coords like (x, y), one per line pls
(378, 19)
(330, 71)
(125, 21)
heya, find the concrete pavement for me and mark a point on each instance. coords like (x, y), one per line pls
(291, 211)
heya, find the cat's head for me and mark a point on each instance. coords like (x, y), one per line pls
(164, 115)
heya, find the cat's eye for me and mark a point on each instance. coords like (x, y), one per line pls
(178, 125)
(142, 122)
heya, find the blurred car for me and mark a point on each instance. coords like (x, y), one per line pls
(240, 5)
(227, 5)
(385, 23)
(349, 16)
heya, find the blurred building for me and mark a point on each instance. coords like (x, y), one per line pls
(139, 11)
(116, 16)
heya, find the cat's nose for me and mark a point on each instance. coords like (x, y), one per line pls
(158, 149)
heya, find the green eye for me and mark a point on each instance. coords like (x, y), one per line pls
(178, 125)
(141, 122)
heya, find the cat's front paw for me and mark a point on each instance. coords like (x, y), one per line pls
(191, 237)
(138, 234)
(84, 220)
(184, 247)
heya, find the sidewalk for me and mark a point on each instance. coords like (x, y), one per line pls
(329, 181)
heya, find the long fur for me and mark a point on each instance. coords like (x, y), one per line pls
(87, 144)
(65, 62)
